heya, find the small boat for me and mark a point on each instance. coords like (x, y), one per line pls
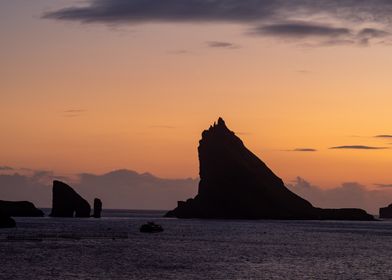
(151, 227)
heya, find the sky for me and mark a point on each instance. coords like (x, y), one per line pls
(100, 85)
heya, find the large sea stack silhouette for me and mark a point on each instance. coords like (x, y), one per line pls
(68, 203)
(236, 184)
(20, 209)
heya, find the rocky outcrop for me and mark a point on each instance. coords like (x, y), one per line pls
(348, 214)
(20, 209)
(68, 203)
(236, 184)
(97, 208)
(386, 212)
(6, 221)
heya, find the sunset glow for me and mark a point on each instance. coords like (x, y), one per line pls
(79, 97)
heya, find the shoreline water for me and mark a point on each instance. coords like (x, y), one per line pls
(113, 248)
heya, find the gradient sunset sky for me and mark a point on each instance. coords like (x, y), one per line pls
(93, 86)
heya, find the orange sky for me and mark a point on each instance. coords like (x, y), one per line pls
(77, 97)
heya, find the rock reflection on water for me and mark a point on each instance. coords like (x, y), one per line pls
(113, 248)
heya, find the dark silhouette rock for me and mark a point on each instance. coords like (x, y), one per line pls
(386, 212)
(97, 208)
(68, 203)
(236, 184)
(6, 221)
(350, 214)
(20, 209)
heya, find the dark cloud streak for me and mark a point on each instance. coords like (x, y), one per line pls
(221, 45)
(6, 168)
(305, 150)
(141, 11)
(301, 30)
(384, 185)
(138, 11)
(264, 17)
(366, 34)
(72, 113)
(327, 35)
(357, 147)
(75, 111)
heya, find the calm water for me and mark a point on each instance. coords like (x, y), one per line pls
(113, 248)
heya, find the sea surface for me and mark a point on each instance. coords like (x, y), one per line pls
(113, 248)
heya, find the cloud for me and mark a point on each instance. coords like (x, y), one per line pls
(16, 187)
(303, 71)
(136, 11)
(387, 136)
(124, 189)
(298, 30)
(358, 147)
(141, 11)
(6, 168)
(372, 33)
(75, 111)
(366, 34)
(131, 190)
(304, 150)
(324, 33)
(344, 21)
(222, 45)
(347, 195)
(71, 113)
(301, 150)
(384, 185)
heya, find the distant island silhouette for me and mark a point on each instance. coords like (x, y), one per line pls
(20, 209)
(236, 184)
(386, 212)
(10, 209)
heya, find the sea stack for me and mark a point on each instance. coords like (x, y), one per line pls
(97, 208)
(20, 209)
(236, 184)
(68, 203)
(6, 221)
(386, 212)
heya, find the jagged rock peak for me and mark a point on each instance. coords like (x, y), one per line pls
(220, 124)
(218, 128)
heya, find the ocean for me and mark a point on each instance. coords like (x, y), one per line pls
(113, 248)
